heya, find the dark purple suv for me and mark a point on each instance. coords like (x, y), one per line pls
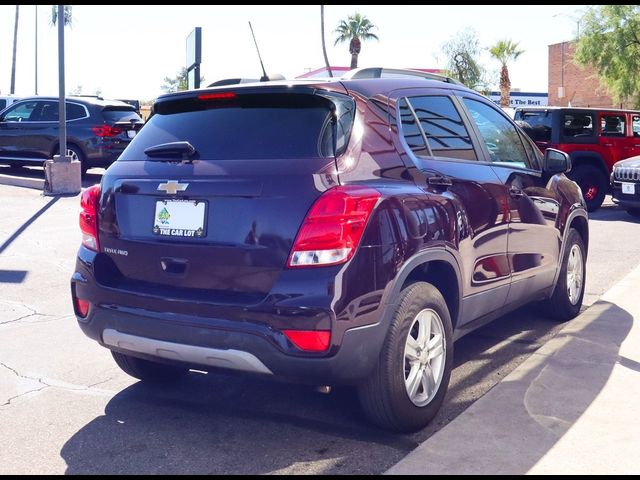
(339, 232)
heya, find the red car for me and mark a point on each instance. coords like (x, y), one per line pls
(594, 138)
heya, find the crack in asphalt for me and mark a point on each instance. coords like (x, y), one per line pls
(18, 374)
(54, 384)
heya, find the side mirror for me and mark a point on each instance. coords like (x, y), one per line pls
(556, 161)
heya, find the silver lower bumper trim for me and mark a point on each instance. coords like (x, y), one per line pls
(232, 359)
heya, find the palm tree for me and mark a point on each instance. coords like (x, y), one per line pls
(505, 51)
(67, 15)
(15, 46)
(354, 30)
(324, 48)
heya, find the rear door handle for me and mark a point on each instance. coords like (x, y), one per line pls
(608, 144)
(516, 192)
(439, 181)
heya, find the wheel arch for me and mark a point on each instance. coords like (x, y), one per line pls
(582, 157)
(439, 268)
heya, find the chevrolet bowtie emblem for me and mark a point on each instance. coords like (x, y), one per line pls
(172, 187)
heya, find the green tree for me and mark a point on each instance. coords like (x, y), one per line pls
(462, 52)
(505, 51)
(610, 42)
(179, 82)
(15, 47)
(355, 29)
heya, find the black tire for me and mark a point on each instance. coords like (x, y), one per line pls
(148, 371)
(383, 397)
(593, 183)
(559, 306)
(634, 212)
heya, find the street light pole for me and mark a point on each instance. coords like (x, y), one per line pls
(36, 49)
(62, 112)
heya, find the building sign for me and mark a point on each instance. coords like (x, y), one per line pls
(523, 99)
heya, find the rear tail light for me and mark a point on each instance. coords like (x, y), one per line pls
(333, 227)
(309, 340)
(106, 131)
(89, 202)
(82, 307)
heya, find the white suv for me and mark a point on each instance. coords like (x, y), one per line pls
(5, 101)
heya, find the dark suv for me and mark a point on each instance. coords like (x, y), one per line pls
(338, 232)
(97, 130)
(594, 138)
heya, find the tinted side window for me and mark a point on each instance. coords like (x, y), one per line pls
(410, 130)
(539, 124)
(3, 103)
(75, 111)
(20, 112)
(636, 126)
(577, 125)
(443, 127)
(612, 125)
(499, 135)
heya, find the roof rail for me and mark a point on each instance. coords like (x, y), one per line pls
(381, 72)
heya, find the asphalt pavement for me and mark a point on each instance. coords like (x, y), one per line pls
(66, 408)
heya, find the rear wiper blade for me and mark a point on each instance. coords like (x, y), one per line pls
(184, 149)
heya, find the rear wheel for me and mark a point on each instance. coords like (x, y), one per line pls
(567, 296)
(634, 212)
(593, 183)
(148, 371)
(410, 381)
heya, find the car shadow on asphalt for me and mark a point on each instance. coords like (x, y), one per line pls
(610, 212)
(221, 423)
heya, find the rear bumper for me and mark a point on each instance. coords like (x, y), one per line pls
(236, 337)
(204, 345)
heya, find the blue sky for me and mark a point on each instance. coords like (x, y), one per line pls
(126, 51)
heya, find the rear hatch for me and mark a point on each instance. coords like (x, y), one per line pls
(123, 121)
(537, 124)
(212, 208)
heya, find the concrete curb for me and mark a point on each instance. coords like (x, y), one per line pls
(570, 408)
(15, 181)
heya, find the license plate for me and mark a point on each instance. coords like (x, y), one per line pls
(131, 133)
(629, 188)
(180, 218)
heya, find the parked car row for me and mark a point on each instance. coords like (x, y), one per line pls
(594, 138)
(341, 232)
(98, 130)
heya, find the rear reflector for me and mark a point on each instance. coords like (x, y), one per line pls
(309, 340)
(217, 96)
(82, 307)
(333, 228)
(89, 202)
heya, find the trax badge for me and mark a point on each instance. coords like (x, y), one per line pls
(172, 187)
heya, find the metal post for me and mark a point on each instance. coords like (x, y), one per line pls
(36, 49)
(62, 110)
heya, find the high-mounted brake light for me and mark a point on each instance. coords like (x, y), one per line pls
(217, 96)
(106, 131)
(89, 202)
(331, 231)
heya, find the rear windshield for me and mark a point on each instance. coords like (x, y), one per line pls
(251, 126)
(114, 115)
(536, 124)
